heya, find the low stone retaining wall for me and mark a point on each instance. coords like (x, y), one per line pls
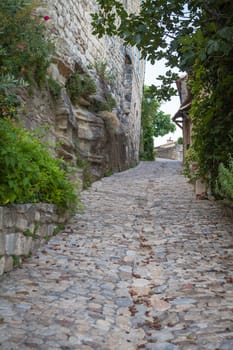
(23, 228)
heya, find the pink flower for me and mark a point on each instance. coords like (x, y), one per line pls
(21, 47)
(46, 18)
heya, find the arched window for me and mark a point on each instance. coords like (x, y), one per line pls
(128, 59)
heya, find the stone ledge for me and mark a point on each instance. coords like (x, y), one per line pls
(23, 228)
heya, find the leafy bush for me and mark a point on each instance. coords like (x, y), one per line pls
(87, 178)
(180, 141)
(108, 104)
(80, 85)
(9, 83)
(54, 88)
(147, 141)
(8, 105)
(24, 50)
(191, 160)
(8, 99)
(154, 123)
(28, 173)
(104, 73)
(224, 184)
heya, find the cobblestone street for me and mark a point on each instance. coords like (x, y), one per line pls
(144, 266)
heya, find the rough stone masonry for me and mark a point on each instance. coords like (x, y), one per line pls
(107, 145)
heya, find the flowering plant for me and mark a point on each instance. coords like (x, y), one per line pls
(24, 50)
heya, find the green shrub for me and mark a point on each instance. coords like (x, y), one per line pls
(16, 260)
(28, 173)
(180, 141)
(191, 158)
(9, 102)
(54, 88)
(8, 105)
(148, 152)
(8, 83)
(24, 50)
(108, 104)
(224, 184)
(29, 233)
(58, 229)
(80, 85)
(104, 73)
(86, 174)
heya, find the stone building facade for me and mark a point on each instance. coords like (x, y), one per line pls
(109, 141)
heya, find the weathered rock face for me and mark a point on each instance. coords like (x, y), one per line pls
(107, 141)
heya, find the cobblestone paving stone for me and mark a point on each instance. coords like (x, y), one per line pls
(145, 266)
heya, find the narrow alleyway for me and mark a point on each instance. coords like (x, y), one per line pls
(145, 266)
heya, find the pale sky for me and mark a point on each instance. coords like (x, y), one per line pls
(171, 107)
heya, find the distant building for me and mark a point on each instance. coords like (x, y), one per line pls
(170, 150)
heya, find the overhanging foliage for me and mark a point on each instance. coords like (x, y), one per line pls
(154, 123)
(197, 37)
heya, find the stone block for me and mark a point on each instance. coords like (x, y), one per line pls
(37, 216)
(9, 217)
(29, 212)
(25, 245)
(200, 189)
(42, 230)
(1, 218)
(18, 244)
(86, 133)
(31, 227)
(2, 243)
(85, 146)
(2, 264)
(50, 229)
(8, 264)
(22, 208)
(54, 72)
(11, 241)
(83, 115)
(21, 223)
(62, 123)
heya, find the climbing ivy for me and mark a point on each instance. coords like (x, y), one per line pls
(224, 182)
(211, 83)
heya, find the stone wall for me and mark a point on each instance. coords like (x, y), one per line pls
(170, 150)
(23, 228)
(78, 129)
(108, 140)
